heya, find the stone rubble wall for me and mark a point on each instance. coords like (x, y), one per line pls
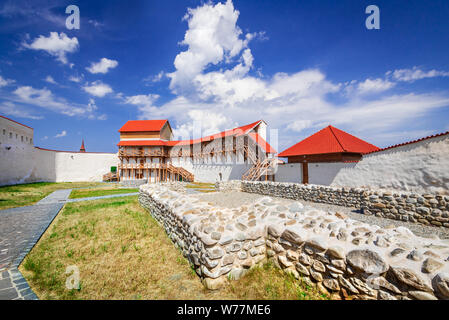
(335, 254)
(405, 206)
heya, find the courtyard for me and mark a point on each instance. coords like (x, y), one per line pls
(120, 250)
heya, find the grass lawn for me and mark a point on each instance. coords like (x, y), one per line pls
(122, 253)
(27, 194)
(84, 193)
(202, 187)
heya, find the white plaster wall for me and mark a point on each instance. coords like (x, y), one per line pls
(34, 165)
(289, 172)
(83, 166)
(325, 173)
(420, 167)
(16, 163)
(16, 152)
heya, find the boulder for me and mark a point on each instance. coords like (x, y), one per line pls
(367, 261)
(441, 285)
(291, 236)
(430, 265)
(408, 277)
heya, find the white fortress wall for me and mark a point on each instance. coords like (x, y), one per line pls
(289, 172)
(75, 167)
(16, 150)
(419, 167)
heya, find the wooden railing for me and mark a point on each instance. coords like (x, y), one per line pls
(180, 172)
(175, 172)
(142, 166)
(142, 153)
(260, 168)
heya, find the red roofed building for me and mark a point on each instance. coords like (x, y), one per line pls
(327, 145)
(147, 150)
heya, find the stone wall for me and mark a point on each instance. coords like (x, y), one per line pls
(405, 206)
(337, 255)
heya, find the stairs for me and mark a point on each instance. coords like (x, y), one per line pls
(178, 172)
(264, 168)
(260, 168)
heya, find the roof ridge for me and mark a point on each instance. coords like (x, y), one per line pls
(333, 133)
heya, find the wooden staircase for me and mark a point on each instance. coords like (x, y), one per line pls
(260, 168)
(178, 173)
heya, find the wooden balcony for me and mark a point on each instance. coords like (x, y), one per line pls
(142, 153)
(136, 166)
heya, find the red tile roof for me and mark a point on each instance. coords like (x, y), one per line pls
(262, 143)
(135, 143)
(15, 121)
(236, 131)
(329, 140)
(142, 125)
(410, 142)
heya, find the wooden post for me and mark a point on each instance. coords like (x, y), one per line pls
(305, 173)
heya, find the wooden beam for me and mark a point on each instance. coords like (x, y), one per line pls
(305, 173)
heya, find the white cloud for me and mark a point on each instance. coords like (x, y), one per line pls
(45, 99)
(50, 79)
(155, 78)
(45, 138)
(212, 37)
(63, 133)
(208, 122)
(15, 110)
(5, 82)
(410, 75)
(300, 125)
(102, 66)
(374, 86)
(98, 89)
(102, 117)
(76, 79)
(57, 45)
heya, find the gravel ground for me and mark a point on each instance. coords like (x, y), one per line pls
(235, 199)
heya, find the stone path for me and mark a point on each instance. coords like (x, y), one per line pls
(20, 229)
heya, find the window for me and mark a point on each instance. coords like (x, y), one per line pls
(26, 138)
(21, 138)
(4, 131)
(17, 136)
(31, 141)
(10, 135)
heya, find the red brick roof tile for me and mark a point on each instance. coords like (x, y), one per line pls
(329, 140)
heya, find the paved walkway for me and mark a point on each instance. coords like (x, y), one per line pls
(20, 229)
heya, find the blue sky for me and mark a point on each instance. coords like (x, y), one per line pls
(299, 65)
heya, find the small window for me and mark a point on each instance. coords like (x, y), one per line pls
(26, 138)
(17, 136)
(10, 135)
(4, 131)
(21, 138)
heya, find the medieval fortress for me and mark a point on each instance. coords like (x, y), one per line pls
(268, 209)
(147, 152)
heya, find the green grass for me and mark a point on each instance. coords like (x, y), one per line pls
(123, 253)
(84, 193)
(27, 194)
